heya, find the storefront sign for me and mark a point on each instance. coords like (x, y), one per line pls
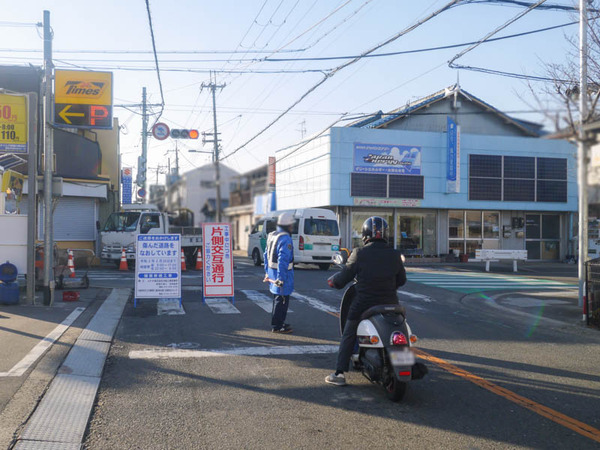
(453, 157)
(13, 123)
(83, 99)
(126, 180)
(383, 158)
(158, 266)
(392, 202)
(218, 260)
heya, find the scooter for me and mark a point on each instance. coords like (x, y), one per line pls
(384, 354)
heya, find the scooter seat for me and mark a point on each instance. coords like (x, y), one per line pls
(383, 309)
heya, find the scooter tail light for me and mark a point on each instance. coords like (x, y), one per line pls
(405, 373)
(374, 340)
(399, 339)
(301, 243)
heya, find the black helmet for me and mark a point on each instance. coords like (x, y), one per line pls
(375, 228)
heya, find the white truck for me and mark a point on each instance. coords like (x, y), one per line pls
(121, 230)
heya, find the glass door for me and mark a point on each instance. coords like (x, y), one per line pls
(410, 235)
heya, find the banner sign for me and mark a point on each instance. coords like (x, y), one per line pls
(158, 266)
(383, 158)
(217, 269)
(272, 179)
(452, 157)
(83, 99)
(13, 123)
(126, 181)
(389, 202)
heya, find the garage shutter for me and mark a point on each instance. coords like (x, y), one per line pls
(74, 219)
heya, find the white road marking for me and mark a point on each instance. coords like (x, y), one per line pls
(169, 307)
(221, 306)
(318, 304)
(261, 300)
(21, 367)
(529, 302)
(422, 297)
(163, 353)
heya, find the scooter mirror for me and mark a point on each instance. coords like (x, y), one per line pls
(338, 259)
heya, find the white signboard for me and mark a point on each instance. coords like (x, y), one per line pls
(158, 266)
(217, 270)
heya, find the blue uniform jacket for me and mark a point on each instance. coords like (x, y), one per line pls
(285, 256)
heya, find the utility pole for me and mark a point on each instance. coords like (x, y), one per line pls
(302, 129)
(582, 152)
(141, 172)
(213, 87)
(48, 166)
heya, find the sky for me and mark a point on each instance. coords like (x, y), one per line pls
(232, 39)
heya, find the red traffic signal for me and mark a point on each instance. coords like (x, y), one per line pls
(185, 134)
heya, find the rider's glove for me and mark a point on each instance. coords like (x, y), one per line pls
(278, 283)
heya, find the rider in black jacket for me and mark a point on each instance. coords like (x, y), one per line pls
(379, 271)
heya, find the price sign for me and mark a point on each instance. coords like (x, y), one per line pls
(13, 123)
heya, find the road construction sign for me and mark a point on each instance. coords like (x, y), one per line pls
(13, 123)
(83, 99)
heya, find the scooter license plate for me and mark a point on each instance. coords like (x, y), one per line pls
(399, 358)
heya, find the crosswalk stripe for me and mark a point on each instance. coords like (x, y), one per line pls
(318, 304)
(221, 306)
(261, 300)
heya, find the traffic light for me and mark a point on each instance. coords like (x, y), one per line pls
(185, 134)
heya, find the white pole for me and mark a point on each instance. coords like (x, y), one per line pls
(582, 151)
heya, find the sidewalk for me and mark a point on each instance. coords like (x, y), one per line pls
(35, 341)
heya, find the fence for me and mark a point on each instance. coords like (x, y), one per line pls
(592, 306)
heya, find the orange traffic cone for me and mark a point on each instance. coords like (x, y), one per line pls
(123, 263)
(183, 268)
(199, 260)
(70, 264)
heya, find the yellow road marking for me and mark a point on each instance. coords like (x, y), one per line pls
(559, 418)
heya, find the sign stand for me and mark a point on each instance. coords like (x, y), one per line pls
(217, 268)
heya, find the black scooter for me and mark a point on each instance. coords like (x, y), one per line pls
(384, 354)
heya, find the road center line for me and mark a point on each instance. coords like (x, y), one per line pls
(549, 413)
(559, 418)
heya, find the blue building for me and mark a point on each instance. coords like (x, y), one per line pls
(450, 173)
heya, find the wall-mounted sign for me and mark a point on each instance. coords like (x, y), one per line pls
(13, 123)
(126, 181)
(390, 202)
(83, 99)
(384, 158)
(272, 179)
(452, 157)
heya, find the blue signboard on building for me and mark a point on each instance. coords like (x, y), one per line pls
(452, 157)
(126, 180)
(384, 158)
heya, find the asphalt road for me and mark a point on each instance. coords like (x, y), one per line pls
(497, 379)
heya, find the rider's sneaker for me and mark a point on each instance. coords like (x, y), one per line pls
(282, 330)
(338, 380)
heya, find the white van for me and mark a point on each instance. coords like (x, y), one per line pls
(316, 236)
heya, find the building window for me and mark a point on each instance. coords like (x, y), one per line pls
(208, 184)
(471, 230)
(386, 186)
(517, 178)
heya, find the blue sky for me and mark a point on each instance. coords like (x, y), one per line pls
(281, 29)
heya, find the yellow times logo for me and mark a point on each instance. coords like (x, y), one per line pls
(77, 87)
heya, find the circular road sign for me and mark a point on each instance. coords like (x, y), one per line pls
(141, 193)
(160, 131)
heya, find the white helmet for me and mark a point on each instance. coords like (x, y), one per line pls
(285, 219)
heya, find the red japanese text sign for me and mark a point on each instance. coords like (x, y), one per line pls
(218, 260)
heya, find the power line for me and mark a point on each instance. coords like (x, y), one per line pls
(162, 97)
(337, 69)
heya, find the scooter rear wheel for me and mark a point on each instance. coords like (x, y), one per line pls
(395, 389)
